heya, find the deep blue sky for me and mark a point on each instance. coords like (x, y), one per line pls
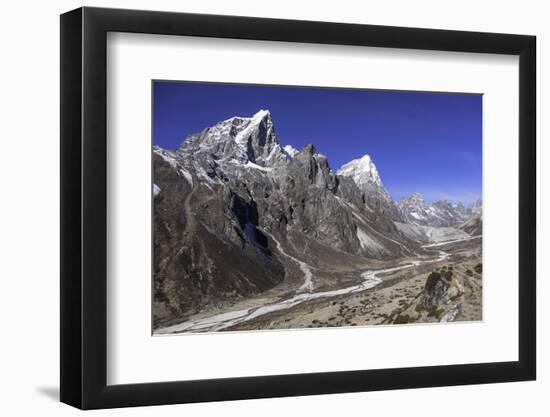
(426, 142)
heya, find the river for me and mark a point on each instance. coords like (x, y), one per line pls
(222, 321)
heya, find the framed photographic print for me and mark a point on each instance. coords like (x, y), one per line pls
(258, 208)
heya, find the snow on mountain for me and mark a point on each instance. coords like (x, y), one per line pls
(251, 124)
(362, 170)
(290, 150)
(365, 175)
(168, 156)
(440, 214)
(242, 139)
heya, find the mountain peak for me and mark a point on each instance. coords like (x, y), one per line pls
(309, 149)
(237, 128)
(290, 150)
(238, 138)
(248, 125)
(262, 114)
(362, 170)
(414, 197)
(365, 159)
(244, 121)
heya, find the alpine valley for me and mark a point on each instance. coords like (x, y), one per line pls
(250, 234)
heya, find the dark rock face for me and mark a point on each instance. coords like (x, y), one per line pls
(313, 167)
(435, 291)
(231, 193)
(196, 233)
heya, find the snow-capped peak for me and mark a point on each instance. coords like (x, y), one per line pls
(244, 121)
(244, 126)
(261, 114)
(238, 138)
(290, 150)
(440, 213)
(362, 171)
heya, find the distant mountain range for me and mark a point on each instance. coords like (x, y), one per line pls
(233, 194)
(440, 214)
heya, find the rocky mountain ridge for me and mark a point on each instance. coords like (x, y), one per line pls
(415, 210)
(233, 192)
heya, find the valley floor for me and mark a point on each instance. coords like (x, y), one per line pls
(389, 294)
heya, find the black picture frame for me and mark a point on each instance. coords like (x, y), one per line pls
(84, 207)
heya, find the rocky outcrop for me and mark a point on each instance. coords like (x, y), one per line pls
(440, 288)
(435, 290)
(451, 314)
(312, 167)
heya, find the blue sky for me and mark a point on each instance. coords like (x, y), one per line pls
(425, 142)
